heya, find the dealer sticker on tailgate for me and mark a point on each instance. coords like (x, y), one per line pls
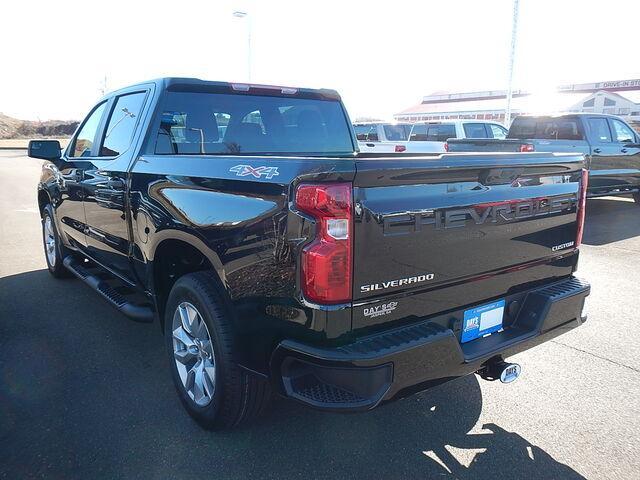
(480, 321)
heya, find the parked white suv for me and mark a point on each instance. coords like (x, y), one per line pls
(382, 137)
(432, 136)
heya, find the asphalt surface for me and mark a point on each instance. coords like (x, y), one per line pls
(86, 393)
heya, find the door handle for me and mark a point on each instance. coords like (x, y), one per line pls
(624, 150)
(596, 150)
(371, 145)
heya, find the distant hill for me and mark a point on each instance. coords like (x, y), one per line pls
(14, 128)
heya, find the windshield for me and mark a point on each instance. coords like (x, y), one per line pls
(238, 124)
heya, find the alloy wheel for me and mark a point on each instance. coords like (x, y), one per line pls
(49, 241)
(193, 353)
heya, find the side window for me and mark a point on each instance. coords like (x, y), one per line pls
(418, 133)
(222, 119)
(195, 130)
(395, 133)
(372, 136)
(474, 130)
(600, 130)
(256, 118)
(621, 133)
(122, 124)
(84, 141)
(367, 133)
(441, 133)
(361, 132)
(497, 131)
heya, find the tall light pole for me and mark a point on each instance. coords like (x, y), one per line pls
(245, 15)
(103, 86)
(514, 37)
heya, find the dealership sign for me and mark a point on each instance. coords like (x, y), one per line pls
(610, 85)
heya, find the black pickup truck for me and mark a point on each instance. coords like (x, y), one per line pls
(610, 146)
(276, 257)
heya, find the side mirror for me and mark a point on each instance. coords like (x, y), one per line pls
(45, 149)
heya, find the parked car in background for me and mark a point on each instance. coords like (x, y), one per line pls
(610, 145)
(432, 136)
(381, 137)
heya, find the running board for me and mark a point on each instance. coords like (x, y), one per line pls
(139, 313)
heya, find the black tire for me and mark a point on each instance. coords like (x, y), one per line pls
(636, 197)
(54, 265)
(238, 396)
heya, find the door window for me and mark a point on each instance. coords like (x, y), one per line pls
(497, 131)
(440, 133)
(83, 143)
(396, 133)
(475, 130)
(418, 133)
(599, 130)
(432, 132)
(367, 133)
(122, 124)
(621, 132)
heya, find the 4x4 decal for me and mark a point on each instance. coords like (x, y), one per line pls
(257, 172)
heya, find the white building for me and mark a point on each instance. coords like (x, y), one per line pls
(600, 97)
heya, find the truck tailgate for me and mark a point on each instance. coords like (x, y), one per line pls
(430, 236)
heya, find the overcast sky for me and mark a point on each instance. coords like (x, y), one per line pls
(381, 56)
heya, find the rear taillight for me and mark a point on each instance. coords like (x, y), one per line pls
(400, 148)
(582, 205)
(527, 147)
(446, 147)
(326, 261)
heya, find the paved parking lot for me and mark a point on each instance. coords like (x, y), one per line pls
(86, 393)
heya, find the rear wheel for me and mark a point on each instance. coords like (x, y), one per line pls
(201, 346)
(636, 197)
(54, 251)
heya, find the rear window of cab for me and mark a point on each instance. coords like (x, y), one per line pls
(196, 123)
(546, 128)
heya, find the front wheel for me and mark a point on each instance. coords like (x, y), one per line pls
(201, 347)
(53, 248)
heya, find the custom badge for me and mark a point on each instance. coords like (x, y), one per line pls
(562, 246)
(257, 172)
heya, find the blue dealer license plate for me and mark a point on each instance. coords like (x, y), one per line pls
(482, 320)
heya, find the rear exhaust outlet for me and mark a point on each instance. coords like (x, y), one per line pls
(500, 370)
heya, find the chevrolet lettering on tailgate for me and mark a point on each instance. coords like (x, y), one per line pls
(411, 222)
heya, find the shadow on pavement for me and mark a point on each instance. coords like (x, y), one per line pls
(86, 393)
(611, 219)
